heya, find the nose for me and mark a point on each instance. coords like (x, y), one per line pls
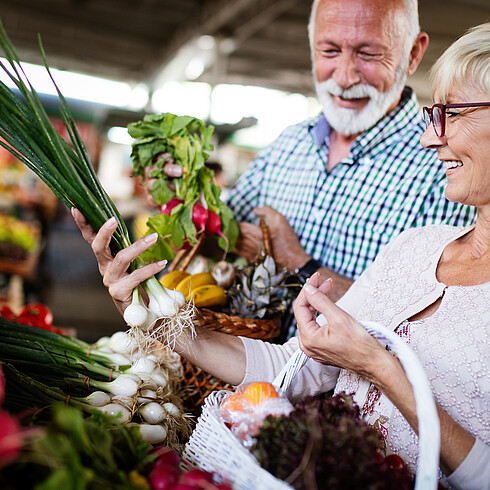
(346, 74)
(429, 138)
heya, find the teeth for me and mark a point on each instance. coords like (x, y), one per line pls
(452, 164)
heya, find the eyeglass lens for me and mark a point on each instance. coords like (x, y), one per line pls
(437, 119)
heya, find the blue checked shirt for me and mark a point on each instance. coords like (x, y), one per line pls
(388, 183)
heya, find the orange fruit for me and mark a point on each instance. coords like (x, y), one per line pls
(234, 402)
(260, 391)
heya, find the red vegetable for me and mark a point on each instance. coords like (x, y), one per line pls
(167, 456)
(7, 313)
(395, 462)
(170, 205)
(196, 477)
(2, 386)
(10, 438)
(164, 477)
(213, 226)
(199, 217)
(36, 315)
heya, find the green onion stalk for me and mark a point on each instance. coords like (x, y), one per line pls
(27, 132)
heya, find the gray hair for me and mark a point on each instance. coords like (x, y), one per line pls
(412, 13)
(465, 62)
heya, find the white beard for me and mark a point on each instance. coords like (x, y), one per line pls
(350, 121)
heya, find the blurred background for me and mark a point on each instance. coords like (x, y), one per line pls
(241, 65)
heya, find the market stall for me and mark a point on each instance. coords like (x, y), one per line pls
(127, 412)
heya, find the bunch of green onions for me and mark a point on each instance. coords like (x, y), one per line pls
(113, 376)
(27, 132)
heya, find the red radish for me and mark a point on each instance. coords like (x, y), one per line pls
(395, 462)
(167, 456)
(196, 477)
(164, 477)
(213, 226)
(10, 438)
(186, 486)
(170, 205)
(2, 386)
(199, 217)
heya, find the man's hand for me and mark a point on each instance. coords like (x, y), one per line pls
(171, 169)
(114, 270)
(288, 252)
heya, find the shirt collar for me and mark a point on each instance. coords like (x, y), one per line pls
(407, 108)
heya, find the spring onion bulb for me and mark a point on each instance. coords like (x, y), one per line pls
(153, 434)
(98, 399)
(171, 409)
(159, 377)
(123, 385)
(122, 414)
(153, 413)
(147, 396)
(122, 343)
(142, 366)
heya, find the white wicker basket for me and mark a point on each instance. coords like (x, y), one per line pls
(214, 448)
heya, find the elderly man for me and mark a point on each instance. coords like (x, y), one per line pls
(339, 187)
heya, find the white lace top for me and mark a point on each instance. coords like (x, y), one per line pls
(452, 345)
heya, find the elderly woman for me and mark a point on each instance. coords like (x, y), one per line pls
(430, 285)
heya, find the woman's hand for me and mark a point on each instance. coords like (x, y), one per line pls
(114, 269)
(343, 342)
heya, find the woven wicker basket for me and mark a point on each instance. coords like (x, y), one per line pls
(214, 448)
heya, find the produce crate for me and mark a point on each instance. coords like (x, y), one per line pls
(213, 447)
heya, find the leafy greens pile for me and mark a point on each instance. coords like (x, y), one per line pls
(323, 444)
(188, 141)
(79, 453)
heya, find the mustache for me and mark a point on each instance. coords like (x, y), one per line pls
(360, 91)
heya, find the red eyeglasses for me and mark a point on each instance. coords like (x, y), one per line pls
(437, 115)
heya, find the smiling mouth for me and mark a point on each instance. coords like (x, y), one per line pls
(452, 164)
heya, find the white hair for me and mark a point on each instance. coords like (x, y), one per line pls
(412, 17)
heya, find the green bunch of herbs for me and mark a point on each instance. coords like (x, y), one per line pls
(76, 452)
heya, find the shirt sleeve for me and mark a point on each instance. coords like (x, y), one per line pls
(474, 472)
(265, 361)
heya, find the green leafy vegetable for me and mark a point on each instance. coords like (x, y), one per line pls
(324, 444)
(80, 453)
(188, 141)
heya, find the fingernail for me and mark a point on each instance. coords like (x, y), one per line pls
(312, 276)
(151, 238)
(162, 263)
(111, 221)
(72, 211)
(310, 289)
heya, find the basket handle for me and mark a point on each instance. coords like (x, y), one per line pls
(428, 420)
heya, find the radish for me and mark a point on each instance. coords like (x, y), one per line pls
(164, 477)
(199, 217)
(196, 477)
(213, 226)
(167, 456)
(168, 207)
(10, 438)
